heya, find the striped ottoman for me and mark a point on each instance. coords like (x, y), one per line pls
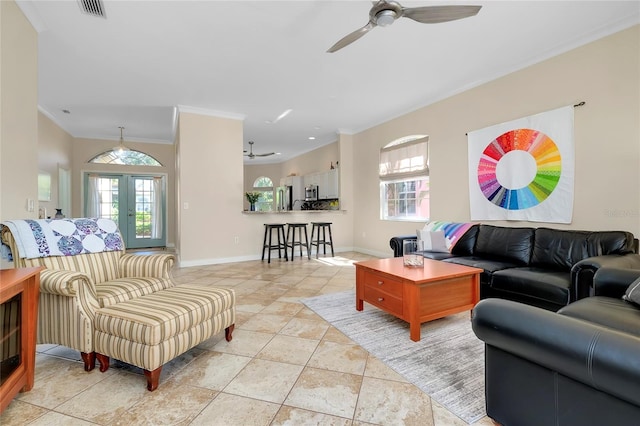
(151, 330)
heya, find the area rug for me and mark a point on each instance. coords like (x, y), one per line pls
(447, 363)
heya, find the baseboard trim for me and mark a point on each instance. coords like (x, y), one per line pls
(220, 260)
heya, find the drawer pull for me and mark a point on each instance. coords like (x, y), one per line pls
(380, 299)
(380, 282)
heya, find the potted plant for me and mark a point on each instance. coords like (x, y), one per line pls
(252, 198)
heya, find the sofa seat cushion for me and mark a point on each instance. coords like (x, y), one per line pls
(546, 284)
(436, 255)
(124, 289)
(157, 317)
(617, 314)
(489, 265)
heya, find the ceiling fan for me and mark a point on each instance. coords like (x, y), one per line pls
(251, 155)
(384, 13)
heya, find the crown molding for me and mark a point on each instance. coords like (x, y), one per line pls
(30, 12)
(210, 112)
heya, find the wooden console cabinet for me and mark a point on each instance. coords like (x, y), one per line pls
(21, 287)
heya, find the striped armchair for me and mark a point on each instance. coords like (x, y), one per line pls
(74, 287)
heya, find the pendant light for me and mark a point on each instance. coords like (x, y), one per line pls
(120, 149)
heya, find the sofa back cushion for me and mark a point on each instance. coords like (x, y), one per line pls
(559, 249)
(514, 244)
(100, 267)
(610, 242)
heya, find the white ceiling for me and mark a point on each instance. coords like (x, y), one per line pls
(255, 59)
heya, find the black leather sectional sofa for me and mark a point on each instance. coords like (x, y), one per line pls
(543, 267)
(577, 367)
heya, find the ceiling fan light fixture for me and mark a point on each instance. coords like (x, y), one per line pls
(251, 155)
(121, 148)
(384, 12)
(384, 18)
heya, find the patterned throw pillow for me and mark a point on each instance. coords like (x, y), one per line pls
(633, 292)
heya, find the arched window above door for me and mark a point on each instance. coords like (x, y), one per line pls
(130, 157)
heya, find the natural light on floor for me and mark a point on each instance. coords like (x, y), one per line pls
(336, 261)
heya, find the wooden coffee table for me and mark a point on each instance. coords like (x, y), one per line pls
(417, 294)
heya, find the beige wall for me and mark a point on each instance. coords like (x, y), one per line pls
(318, 160)
(86, 149)
(18, 114)
(210, 176)
(346, 179)
(54, 152)
(605, 74)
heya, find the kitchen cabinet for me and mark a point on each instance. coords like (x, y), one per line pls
(322, 185)
(312, 179)
(332, 184)
(327, 183)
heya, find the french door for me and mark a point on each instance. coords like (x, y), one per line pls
(135, 202)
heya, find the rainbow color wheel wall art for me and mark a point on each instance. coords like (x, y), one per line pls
(548, 162)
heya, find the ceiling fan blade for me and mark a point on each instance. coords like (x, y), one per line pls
(437, 14)
(350, 38)
(264, 155)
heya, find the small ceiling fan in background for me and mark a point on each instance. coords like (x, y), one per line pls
(384, 13)
(251, 155)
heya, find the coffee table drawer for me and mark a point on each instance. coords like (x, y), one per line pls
(383, 283)
(383, 300)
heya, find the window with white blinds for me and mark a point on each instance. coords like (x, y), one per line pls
(404, 179)
(404, 158)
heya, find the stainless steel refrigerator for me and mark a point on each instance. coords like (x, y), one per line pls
(284, 198)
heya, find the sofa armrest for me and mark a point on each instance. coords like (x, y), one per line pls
(63, 283)
(70, 284)
(396, 243)
(582, 272)
(613, 282)
(597, 356)
(152, 265)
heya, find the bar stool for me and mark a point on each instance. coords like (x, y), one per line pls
(316, 228)
(280, 245)
(291, 230)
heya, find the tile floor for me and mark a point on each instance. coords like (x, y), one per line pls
(284, 366)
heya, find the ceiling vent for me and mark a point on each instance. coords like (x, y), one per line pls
(92, 7)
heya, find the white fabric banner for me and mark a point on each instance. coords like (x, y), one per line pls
(524, 169)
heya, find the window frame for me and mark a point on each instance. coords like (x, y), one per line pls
(113, 157)
(259, 185)
(402, 163)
